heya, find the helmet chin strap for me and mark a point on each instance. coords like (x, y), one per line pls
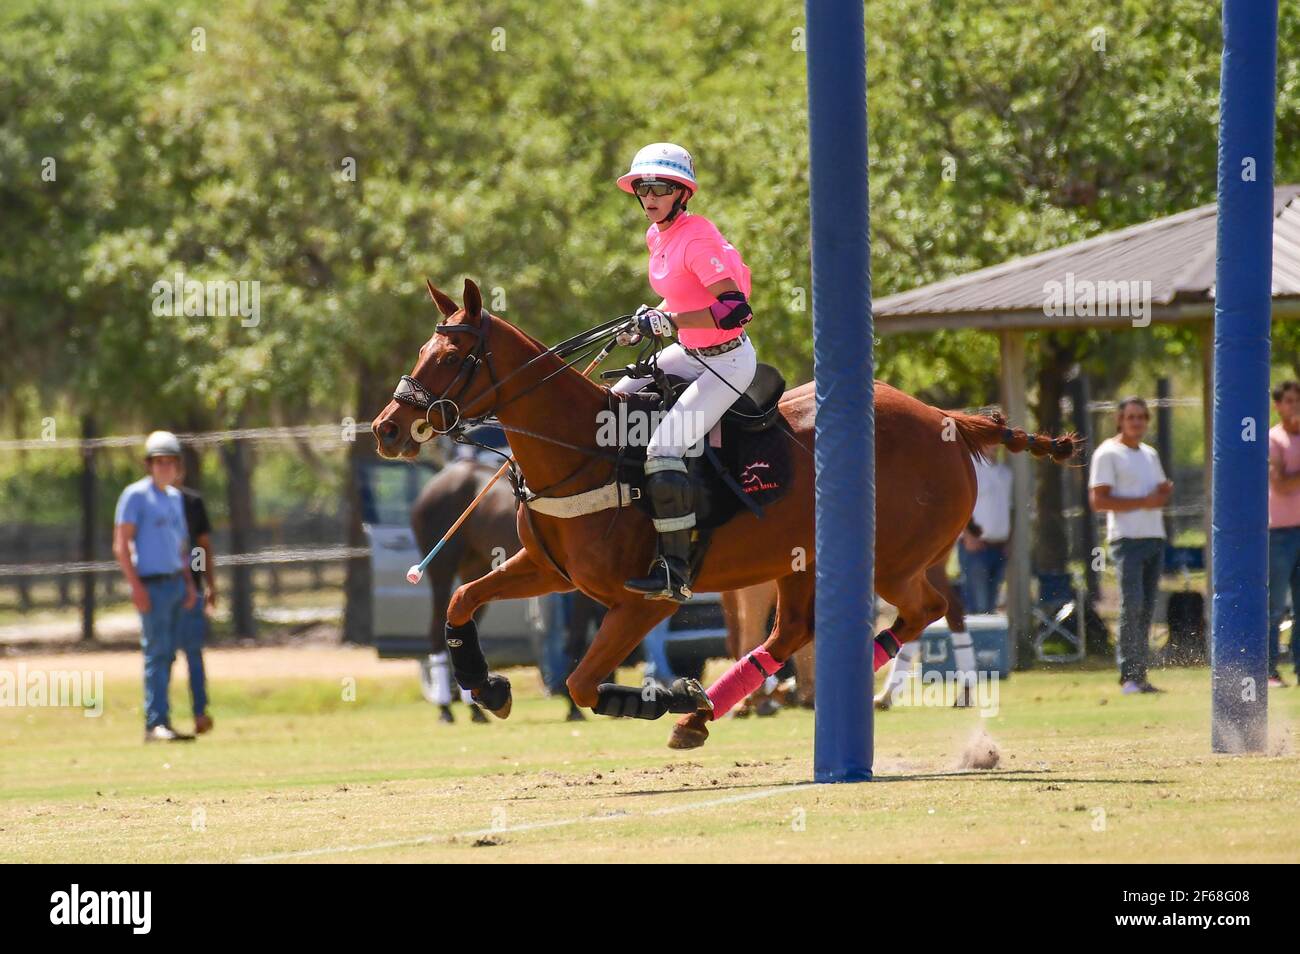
(678, 207)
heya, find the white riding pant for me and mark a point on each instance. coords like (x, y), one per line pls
(705, 399)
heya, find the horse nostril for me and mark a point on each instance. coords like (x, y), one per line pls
(387, 431)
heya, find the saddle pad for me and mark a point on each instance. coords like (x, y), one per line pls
(760, 462)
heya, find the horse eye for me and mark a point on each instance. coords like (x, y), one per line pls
(451, 359)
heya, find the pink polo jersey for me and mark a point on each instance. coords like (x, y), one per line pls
(685, 259)
(1284, 449)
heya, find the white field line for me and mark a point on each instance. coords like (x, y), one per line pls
(529, 826)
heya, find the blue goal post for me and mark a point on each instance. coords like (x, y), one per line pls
(1242, 305)
(844, 616)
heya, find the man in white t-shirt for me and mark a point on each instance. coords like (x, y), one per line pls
(982, 548)
(1128, 483)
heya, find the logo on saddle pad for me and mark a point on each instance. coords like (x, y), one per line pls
(751, 478)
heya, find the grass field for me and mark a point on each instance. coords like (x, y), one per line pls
(295, 771)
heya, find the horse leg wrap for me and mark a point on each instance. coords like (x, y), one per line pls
(904, 663)
(440, 678)
(630, 702)
(886, 648)
(745, 675)
(649, 701)
(963, 657)
(467, 656)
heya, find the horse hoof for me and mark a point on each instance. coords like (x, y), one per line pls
(495, 696)
(689, 733)
(445, 716)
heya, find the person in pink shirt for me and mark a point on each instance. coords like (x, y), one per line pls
(1283, 524)
(704, 285)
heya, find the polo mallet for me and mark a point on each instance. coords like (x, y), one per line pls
(416, 572)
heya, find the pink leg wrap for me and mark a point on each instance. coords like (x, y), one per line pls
(745, 675)
(880, 657)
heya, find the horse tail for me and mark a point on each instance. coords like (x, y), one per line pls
(984, 431)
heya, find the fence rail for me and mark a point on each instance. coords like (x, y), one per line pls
(260, 558)
(326, 433)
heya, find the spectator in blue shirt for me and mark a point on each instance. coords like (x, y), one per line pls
(151, 544)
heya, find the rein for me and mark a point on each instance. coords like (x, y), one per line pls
(412, 392)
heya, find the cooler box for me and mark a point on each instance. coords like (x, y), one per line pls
(989, 632)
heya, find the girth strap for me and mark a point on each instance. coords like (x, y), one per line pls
(546, 551)
(611, 495)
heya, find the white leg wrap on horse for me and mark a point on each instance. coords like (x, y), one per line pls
(467, 697)
(440, 678)
(904, 663)
(963, 651)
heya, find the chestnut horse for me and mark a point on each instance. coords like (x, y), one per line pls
(477, 364)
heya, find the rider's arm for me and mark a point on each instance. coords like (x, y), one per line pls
(123, 534)
(703, 318)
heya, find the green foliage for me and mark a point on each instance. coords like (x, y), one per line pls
(486, 138)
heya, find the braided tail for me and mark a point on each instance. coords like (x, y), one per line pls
(985, 431)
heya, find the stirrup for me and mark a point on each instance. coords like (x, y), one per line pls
(676, 591)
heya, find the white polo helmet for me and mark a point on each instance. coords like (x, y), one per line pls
(661, 160)
(162, 444)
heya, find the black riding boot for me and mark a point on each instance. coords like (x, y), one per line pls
(671, 495)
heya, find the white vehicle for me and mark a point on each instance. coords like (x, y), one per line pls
(512, 631)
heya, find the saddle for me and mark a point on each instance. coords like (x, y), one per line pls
(745, 463)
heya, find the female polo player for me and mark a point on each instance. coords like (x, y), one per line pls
(704, 284)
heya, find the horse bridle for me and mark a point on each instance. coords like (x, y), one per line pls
(411, 392)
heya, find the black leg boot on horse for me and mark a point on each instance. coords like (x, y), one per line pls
(672, 496)
(489, 690)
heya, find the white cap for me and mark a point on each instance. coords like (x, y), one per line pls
(162, 444)
(661, 160)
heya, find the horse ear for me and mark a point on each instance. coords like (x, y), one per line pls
(445, 304)
(473, 300)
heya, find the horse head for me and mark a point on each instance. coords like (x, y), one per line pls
(452, 377)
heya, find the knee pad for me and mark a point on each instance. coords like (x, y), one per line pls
(671, 491)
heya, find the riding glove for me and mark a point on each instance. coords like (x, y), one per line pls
(652, 321)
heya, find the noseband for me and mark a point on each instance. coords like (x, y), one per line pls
(411, 392)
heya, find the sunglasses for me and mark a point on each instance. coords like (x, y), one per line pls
(645, 187)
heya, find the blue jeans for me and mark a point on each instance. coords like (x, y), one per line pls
(159, 633)
(194, 632)
(1283, 576)
(1138, 562)
(981, 574)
